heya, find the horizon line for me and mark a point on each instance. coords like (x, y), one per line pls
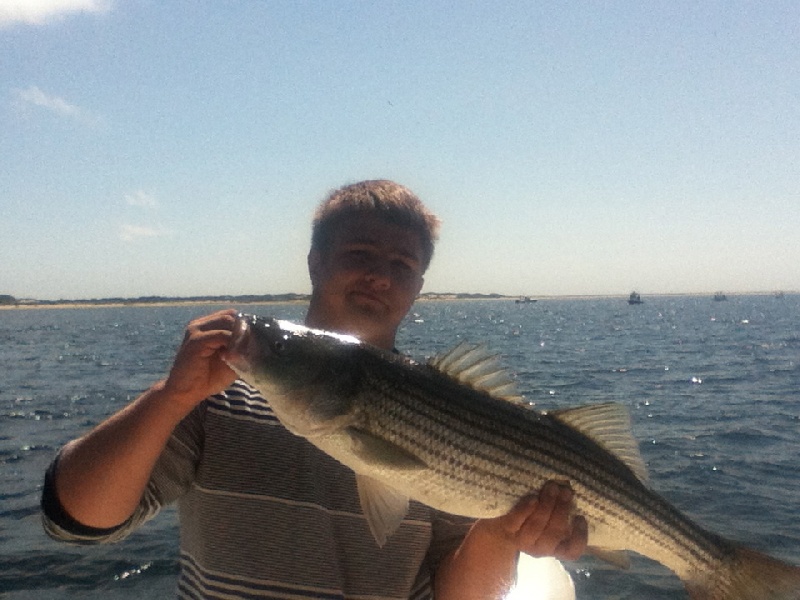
(11, 301)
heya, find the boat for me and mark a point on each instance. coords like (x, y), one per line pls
(525, 300)
(635, 298)
(720, 297)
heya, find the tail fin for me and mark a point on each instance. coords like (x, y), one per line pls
(750, 575)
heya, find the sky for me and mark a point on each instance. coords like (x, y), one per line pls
(179, 148)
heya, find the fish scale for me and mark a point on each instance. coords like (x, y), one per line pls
(450, 434)
(498, 448)
(475, 428)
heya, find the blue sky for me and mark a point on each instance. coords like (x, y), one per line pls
(179, 148)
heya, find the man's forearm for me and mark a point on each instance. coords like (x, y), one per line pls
(480, 569)
(484, 566)
(100, 477)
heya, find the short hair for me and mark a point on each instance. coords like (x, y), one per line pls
(386, 199)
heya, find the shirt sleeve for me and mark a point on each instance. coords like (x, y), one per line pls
(57, 521)
(172, 476)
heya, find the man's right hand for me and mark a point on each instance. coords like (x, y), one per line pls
(198, 370)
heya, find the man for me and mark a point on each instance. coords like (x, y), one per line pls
(263, 512)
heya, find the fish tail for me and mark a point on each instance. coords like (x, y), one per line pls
(749, 575)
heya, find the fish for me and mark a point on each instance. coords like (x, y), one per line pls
(453, 433)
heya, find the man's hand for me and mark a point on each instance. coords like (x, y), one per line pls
(543, 525)
(485, 564)
(198, 370)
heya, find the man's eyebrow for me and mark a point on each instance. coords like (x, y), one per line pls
(374, 241)
(409, 255)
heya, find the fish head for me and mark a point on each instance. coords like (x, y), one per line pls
(308, 376)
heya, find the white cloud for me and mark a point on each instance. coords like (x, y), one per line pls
(131, 233)
(33, 96)
(141, 199)
(37, 12)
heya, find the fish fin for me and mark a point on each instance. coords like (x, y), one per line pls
(323, 427)
(610, 426)
(475, 366)
(383, 507)
(618, 558)
(380, 452)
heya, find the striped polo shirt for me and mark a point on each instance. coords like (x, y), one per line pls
(265, 514)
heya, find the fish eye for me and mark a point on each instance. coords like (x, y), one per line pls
(279, 346)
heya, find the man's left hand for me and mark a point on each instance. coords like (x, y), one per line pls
(543, 524)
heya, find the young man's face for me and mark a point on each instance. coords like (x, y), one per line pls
(367, 280)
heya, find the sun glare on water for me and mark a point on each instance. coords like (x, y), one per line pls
(541, 579)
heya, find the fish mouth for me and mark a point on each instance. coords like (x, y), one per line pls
(241, 329)
(240, 344)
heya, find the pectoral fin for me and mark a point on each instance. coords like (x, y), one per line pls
(378, 452)
(383, 507)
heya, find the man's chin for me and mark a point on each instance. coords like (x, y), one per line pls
(369, 316)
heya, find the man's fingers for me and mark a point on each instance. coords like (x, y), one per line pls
(538, 518)
(221, 320)
(198, 370)
(212, 331)
(210, 342)
(574, 546)
(516, 518)
(549, 525)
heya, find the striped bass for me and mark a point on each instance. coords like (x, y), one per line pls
(451, 434)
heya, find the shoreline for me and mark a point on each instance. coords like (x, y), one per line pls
(80, 305)
(428, 297)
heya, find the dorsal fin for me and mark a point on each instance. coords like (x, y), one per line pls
(475, 366)
(610, 426)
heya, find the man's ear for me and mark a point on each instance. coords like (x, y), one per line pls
(314, 266)
(421, 285)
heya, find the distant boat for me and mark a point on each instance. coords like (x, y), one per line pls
(525, 300)
(720, 297)
(635, 298)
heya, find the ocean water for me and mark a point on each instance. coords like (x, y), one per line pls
(713, 389)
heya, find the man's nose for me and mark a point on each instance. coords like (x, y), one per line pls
(379, 273)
